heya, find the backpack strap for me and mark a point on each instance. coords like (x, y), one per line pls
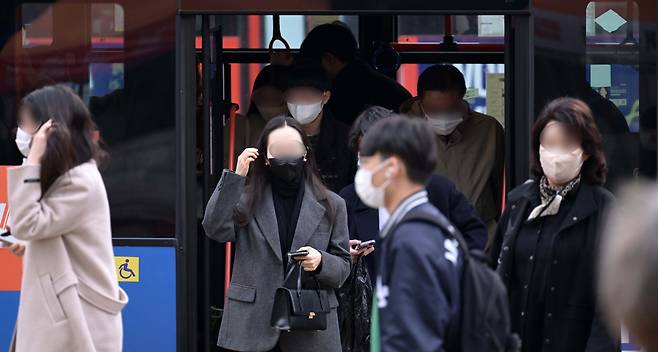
(442, 223)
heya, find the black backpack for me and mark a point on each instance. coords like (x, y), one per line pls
(484, 324)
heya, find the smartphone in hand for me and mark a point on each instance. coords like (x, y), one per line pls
(365, 244)
(297, 254)
(6, 237)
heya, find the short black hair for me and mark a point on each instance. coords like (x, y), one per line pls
(441, 78)
(333, 38)
(409, 139)
(364, 121)
(305, 73)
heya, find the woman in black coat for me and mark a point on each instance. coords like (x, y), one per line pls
(546, 244)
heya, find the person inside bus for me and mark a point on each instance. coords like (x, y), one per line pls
(546, 244)
(418, 290)
(70, 297)
(267, 100)
(307, 93)
(273, 204)
(355, 84)
(471, 145)
(365, 222)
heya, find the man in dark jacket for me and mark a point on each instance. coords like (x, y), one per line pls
(307, 93)
(355, 85)
(418, 284)
(365, 222)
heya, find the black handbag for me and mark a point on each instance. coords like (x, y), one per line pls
(300, 309)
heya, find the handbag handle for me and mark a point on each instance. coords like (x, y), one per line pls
(299, 276)
(299, 281)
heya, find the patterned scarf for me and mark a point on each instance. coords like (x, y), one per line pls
(551, 197)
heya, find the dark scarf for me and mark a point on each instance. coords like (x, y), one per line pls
(287, 198)
(551, 197)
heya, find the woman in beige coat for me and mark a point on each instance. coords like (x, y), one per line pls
(70, 298)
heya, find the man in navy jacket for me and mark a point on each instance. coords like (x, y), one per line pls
(363, 221)
(418, 283)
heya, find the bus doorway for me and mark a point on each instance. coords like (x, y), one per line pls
(231, 50)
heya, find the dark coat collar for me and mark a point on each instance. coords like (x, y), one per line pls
(584, 205)
(310, 215)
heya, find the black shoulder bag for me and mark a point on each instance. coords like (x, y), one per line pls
(300, 309)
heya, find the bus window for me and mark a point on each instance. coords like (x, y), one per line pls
(104, 78)
(37, 20)
(107, 26)
(618, 83)
(612, 71)
(611, 22)
(465, 29)
(82, 45)
(255, 32)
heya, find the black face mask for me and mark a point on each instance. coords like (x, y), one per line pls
(287, 172)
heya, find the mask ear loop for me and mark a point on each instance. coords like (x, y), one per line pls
(387, 173)
(305, 153)
(422, 109)
(41, 125)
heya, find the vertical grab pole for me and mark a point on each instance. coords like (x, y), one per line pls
(504, 195)
(231, 166)
(447, 25)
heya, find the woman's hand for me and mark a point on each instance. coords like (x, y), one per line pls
(17, 249)
(39, 142)
(312, 261)
(355, 253)
(244, 160)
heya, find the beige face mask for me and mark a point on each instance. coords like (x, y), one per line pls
(560, 167)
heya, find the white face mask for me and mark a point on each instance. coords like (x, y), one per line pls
(445, 124)
(370, 194)
(23, 140)
(306, 113)
(560, 167)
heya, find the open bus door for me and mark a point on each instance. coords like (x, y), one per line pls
(225, 73)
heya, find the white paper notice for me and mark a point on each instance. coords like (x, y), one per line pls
(491, 26)
(496, 96)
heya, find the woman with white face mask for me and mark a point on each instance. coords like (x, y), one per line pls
(266, 102)
(307, 94)
(545, 247)
(28, 126)
(70, 297)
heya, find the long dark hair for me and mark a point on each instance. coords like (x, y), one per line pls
(71, 139)
(258, 178)
(577, 116)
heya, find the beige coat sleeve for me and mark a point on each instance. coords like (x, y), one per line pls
(34, 218)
